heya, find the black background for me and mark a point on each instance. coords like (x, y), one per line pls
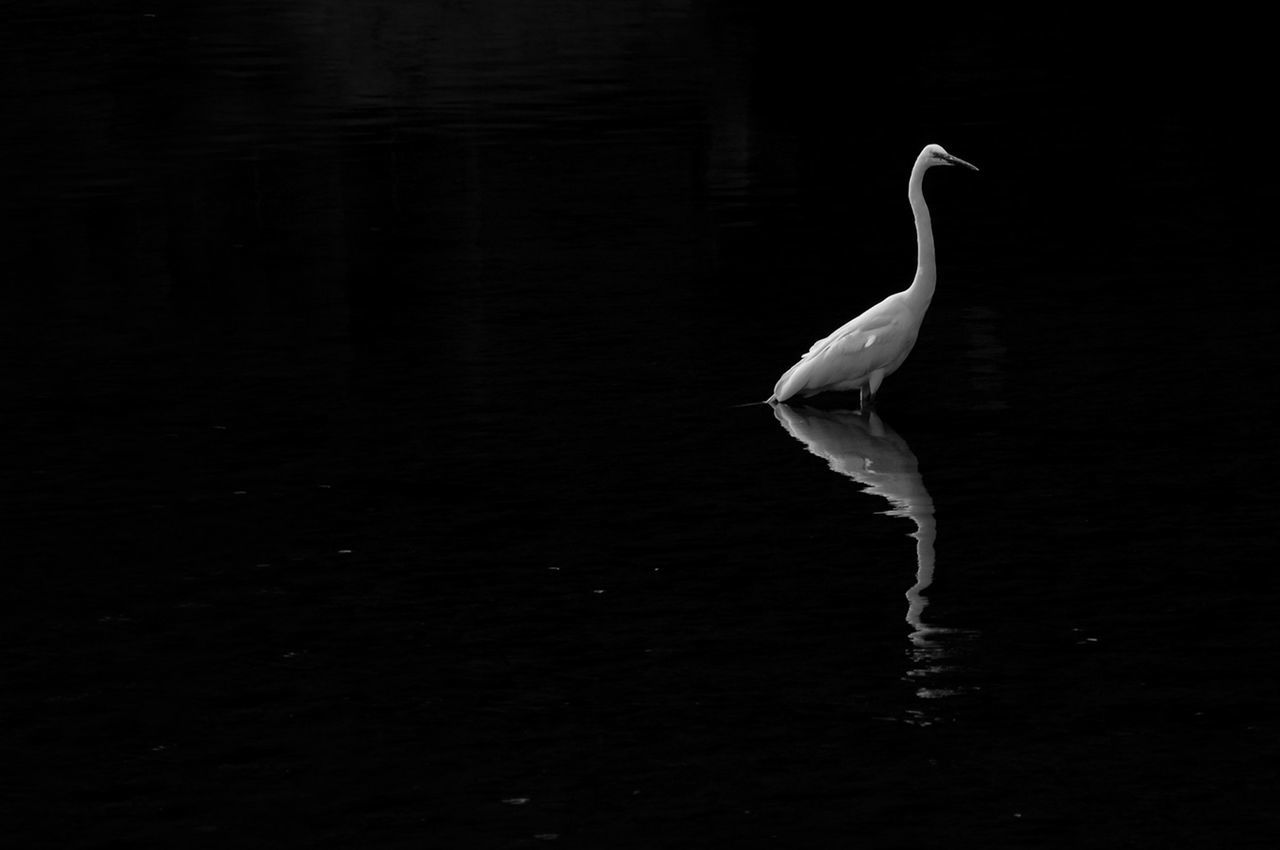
(374, 470)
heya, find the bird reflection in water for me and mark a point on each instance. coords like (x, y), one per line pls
(867, 450)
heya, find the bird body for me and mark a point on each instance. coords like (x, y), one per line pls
(865, 350)
(861, 352)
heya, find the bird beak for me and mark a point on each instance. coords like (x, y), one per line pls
(955, 160)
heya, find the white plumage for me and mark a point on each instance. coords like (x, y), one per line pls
(865, 350)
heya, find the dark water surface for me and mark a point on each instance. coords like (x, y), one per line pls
(378, 476)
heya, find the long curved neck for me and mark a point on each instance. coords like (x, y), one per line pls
(921, 290)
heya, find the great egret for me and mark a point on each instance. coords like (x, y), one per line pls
(865, 350)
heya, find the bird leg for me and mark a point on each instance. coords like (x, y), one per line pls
(864, 398)
(870, 388)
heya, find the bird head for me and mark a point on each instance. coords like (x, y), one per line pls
(935, 155)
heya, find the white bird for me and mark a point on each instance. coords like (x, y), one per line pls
(867, 349)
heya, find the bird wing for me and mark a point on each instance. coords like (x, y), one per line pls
(872, 341)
